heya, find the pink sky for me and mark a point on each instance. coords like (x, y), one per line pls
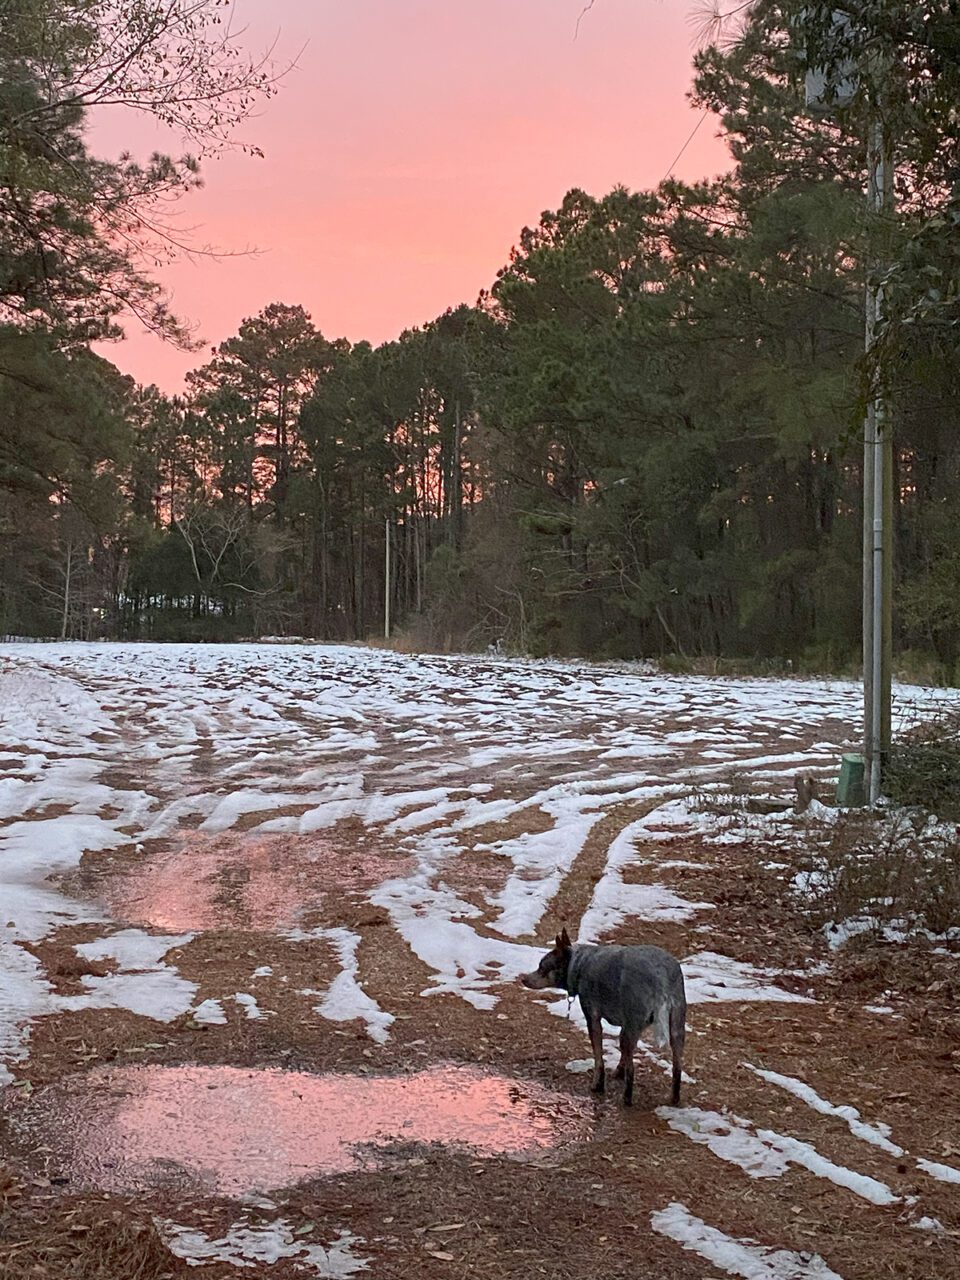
(409, 146)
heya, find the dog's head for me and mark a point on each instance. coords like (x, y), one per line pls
(552, 969)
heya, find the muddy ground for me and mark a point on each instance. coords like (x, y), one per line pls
(461, 1143)
(579, 1209)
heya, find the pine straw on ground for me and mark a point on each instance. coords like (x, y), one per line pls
(96, 1238)
(579, 1214)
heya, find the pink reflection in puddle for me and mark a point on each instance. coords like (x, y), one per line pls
(236, 881)
(231, 1130)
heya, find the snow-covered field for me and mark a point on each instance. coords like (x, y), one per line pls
(116, 749)
(107, 746)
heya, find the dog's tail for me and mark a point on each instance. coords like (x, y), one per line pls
(661, 1024)
(678, 1034)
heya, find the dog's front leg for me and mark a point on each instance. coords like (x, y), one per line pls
(596, 1043)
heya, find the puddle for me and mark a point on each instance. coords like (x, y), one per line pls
(232, 1131)
(264, 883)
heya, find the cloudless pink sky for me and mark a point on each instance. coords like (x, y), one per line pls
(408, 147)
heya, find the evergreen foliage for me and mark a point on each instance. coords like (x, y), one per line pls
(642, 440)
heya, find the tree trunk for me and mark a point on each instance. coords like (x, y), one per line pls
(67, 579)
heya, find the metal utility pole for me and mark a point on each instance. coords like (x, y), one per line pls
(386, 582)
(828, 87)
(878, 484)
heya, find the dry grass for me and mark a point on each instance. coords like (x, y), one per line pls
(89, 1239)
(899, 876)
(924, 766)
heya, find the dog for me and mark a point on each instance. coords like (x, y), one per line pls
(632, 988)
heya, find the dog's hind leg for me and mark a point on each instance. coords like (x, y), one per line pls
(625, 1052)
(678, 1034)
(628, 1047)
(596, 1043)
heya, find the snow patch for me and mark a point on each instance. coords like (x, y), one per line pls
(133, 949)
(248, 1245)
(942, 1172)
(737, 1257)
(878, 1135)
(614, 901)
(24, 994)
(579, 1066)
(431, 920)
(142, 985)
(345, 1000)
(209, 1013)
(765, 1154)
(38, 705)
(540, 860)
(248, 1004)
(710, 978)
(929, 1224)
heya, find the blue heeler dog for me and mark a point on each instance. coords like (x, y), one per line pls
(632, 988)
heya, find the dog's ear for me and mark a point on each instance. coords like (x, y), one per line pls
(563, 942)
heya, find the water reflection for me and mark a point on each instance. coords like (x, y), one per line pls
(232, 1130)
(235, 881)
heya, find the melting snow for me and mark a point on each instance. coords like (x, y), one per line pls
(712, 978)
(346, 999)
(765, 1154)
(366, 734)
(210, 1013)
(737, 1257)
(878, 1135)
(133, 949)
(250, 1245)
(614, 901)
(142, 984)
(942, 1172)
(248, 1004)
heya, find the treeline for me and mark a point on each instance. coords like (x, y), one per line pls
(643, 439)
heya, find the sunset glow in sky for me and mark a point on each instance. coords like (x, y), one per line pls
(408, 147)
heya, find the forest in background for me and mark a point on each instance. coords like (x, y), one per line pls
(643, 440)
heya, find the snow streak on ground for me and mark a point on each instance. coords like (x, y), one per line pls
(737, 1257)
(878, 1135)
(765, 1154)
(346, 998)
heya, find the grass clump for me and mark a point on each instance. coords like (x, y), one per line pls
(924, 767)
(899, 878)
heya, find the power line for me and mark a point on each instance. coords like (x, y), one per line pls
(718, 16)
(677, 157)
